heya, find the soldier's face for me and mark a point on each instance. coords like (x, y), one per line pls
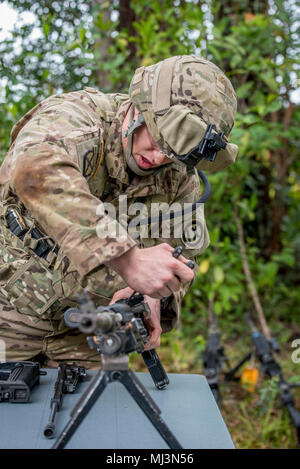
(145, 151)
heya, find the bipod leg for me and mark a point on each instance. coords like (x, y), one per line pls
(82, 407)
(230, 374)
(147, 405)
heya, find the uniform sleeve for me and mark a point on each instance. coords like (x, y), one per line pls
(46, 175)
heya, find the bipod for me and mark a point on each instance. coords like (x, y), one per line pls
(116, 369)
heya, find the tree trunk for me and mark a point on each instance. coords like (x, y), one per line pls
(126, 19)
(102, 45)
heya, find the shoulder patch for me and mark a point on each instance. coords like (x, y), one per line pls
(91, 159)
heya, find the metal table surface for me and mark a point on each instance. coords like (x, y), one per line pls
(115, 421)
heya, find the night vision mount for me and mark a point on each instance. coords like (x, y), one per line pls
(207, 148)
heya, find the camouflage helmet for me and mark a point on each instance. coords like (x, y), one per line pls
(177, 99)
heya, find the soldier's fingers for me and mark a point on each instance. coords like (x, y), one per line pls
(165, 291)
(154, 340)
(184, 272)
(117, 296)
(188, 262)
(150, 345)
(174, 284)
(159, 294)
(177, 253)
(153, 294)
(124, 293)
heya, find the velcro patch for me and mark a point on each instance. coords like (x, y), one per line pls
(90, 155)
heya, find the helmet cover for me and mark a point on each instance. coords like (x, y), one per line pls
(178, 98)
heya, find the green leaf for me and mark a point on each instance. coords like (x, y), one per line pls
(218, 307)
(82, 34)
(270, 81)
(243, 90)
(218, 274)
(46, 29)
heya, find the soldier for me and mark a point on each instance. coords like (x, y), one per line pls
(73, 154)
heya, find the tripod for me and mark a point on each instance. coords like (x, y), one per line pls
(115, 368)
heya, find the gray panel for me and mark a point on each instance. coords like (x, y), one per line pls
(116, 422)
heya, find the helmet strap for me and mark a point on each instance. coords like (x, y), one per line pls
(132, 126)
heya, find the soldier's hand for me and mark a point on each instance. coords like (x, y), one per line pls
(152, 322)
(119, 294)
(153, 271)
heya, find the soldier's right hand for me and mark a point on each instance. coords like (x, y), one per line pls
(153, 271)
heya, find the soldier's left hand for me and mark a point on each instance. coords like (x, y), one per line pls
(119, 294)
(152, 322)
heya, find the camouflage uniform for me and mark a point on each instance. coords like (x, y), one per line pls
(65, 160)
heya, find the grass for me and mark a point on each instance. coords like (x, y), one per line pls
(256, 419)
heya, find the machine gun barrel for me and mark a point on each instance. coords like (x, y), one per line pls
(102, 322)
(67, 378)
(56, 400)
(50, 427)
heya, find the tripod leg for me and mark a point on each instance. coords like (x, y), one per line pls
(82, 407)
(148, 406)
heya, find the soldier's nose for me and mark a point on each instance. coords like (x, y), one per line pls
(158, 157)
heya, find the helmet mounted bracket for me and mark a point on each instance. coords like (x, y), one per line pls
(207, 148)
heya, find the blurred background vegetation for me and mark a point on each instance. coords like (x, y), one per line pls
(68, 44)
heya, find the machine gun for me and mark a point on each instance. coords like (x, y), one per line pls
(117, 330)
(17, 379)
(68, 377)
(264, 350)
(213, 359)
